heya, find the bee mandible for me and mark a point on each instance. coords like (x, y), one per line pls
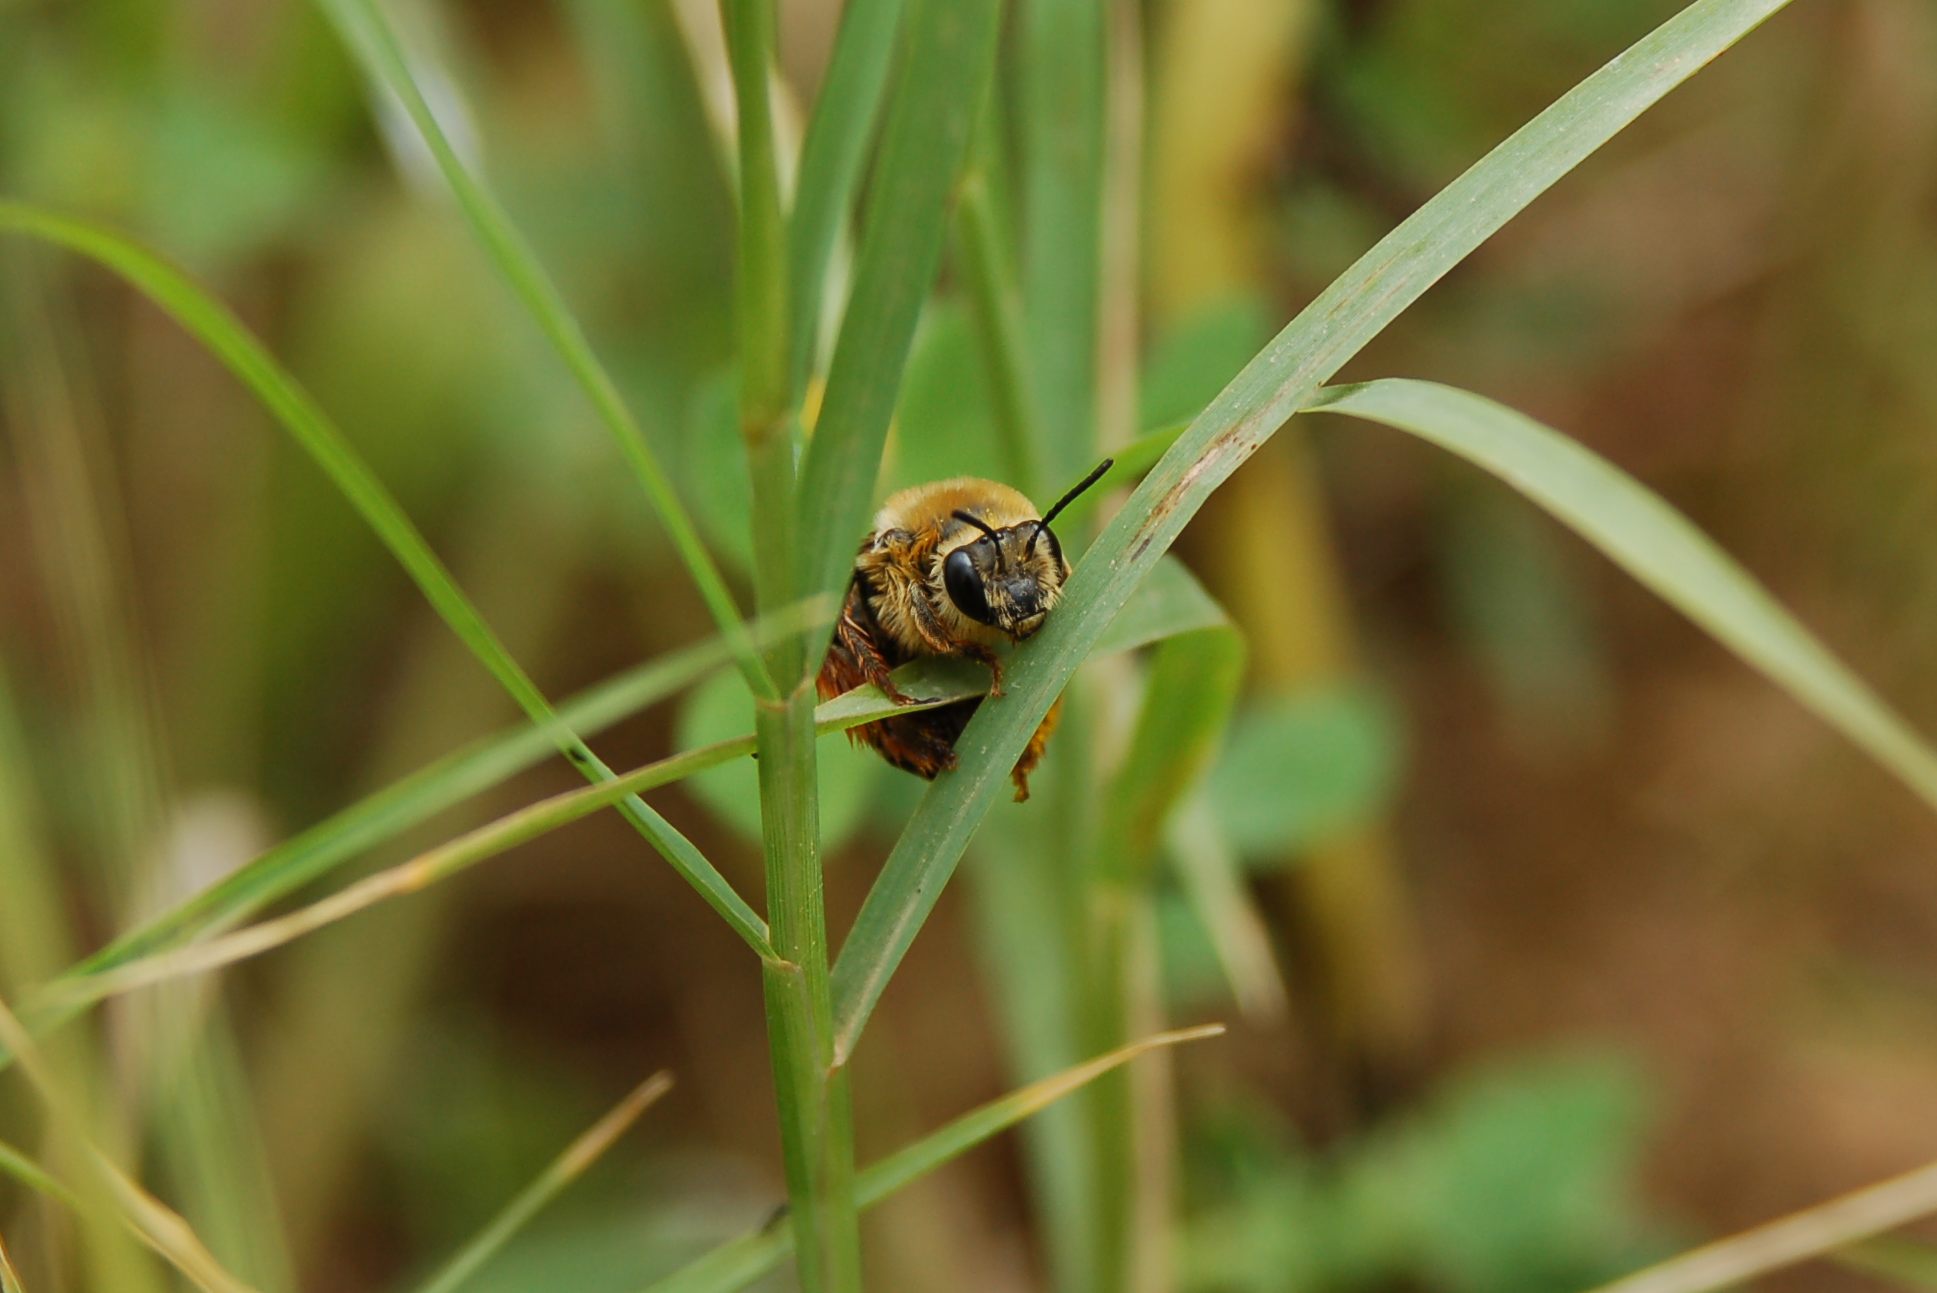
(952, 568)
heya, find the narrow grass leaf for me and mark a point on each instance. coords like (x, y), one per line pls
(25, 1170)
(1798, 1237)
(1188, 697)
(364, 29)
(1344, 317)
(985, 262)
(738, 1263)
(561, 1172)
(830, 165)
(1174, 603)
(1655, 544)
(216, 327)
(375, 820)
(1061, 126)
(1212, 877)
(948, 62)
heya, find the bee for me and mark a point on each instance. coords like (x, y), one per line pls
(956, 567)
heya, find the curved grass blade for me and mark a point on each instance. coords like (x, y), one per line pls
(1273, 386)
(1798, 1237)
(373, 821)
(830, 165)
(1174, 604)
(950, 59)
(363, 28)
(1658, 546)
(739, 1262)
(216, 327)
(562, 1171)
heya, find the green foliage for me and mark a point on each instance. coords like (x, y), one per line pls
(1296, 769)
(1511, 1179)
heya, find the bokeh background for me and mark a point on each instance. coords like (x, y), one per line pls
(1593, 943)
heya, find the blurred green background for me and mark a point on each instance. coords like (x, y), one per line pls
(1592, 942)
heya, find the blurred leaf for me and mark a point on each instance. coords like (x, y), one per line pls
(1297, 769)
(735, 1264)
(1515, 1178)
(1198, 355)
(720, 709)
(1276, 384)
(1519, 1178)
(944, 423)
(1659, 547)
(223, 179)
(713, 468)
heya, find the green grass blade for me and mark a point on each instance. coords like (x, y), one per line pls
(1062, 138)
(830, 164)
(1211, 874)
(1269, 390)
(216, 327)
(998, 323)
(738, 1263)
(1188, 696)
(363, 28)
(1658, 546)
(950, 56)
(25, 1170)
(561, 1172)
(1174, 603)
(354, 831)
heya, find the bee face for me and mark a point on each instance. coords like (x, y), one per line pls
(1008, 578)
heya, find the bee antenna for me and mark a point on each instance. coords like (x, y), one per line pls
(975, 521)
(1096, 474)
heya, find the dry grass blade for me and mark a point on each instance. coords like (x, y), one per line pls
(1798, 1237)
(577, 1157)
(9, 1277)
(157, 1225)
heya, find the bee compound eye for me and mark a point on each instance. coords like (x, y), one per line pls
(964, 584)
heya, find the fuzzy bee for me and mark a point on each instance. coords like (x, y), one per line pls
(956, 567)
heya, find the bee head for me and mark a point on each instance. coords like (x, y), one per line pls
(1011, 576)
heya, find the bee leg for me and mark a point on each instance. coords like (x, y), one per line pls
(1032, 753)
(875, 668)
(982, 655)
